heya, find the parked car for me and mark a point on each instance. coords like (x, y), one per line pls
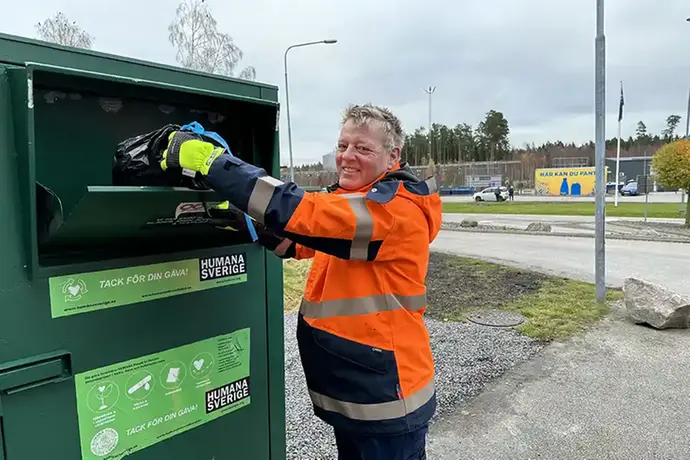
(489, 194)
(629, 189)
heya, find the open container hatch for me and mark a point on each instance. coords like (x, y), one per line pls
(67, 130)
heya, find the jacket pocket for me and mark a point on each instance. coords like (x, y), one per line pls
(346, 370)
(367, 357)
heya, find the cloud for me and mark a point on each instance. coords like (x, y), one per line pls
(533, 59)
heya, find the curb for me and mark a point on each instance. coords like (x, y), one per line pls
(570, 235)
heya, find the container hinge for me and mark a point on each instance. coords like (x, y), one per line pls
(25, 374)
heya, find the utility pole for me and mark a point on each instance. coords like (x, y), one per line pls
(287, 94)
(600, 152)
(430, 90)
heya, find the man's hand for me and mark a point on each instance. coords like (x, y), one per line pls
(187, 152)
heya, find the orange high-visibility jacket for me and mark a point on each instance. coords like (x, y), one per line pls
(362, 339)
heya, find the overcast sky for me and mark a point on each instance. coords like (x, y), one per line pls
(531, 59)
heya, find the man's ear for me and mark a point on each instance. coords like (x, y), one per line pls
(394, 157)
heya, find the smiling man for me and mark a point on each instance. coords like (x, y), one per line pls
(362, 338)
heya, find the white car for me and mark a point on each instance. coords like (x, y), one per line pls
(489, 194)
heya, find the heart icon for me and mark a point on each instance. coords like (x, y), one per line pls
(198, 364)
(74, 290)
(101, 388)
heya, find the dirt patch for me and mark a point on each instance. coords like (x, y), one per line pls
(457, 285)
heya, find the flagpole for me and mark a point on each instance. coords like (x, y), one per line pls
(618, 149)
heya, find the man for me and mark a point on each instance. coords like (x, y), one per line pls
(362, 339)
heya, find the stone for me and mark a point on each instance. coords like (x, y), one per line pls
(655, 305)
(538, 227)
(469, 223)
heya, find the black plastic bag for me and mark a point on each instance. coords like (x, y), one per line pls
(137, 162)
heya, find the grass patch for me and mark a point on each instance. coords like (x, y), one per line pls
(560, 308)
(295, 274)
(555, 308)
(668, 210)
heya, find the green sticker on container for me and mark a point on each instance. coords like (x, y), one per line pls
(126, 407)
(86, 292)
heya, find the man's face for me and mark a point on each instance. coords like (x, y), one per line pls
(361, 156)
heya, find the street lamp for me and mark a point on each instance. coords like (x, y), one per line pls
(287, 95)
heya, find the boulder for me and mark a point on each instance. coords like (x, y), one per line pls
(469, 223)
(661, 308)
(538, 227)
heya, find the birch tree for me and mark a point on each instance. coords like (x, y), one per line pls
(62, 31)
(201, 46)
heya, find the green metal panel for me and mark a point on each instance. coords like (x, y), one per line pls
(62, 112)
(276, 324)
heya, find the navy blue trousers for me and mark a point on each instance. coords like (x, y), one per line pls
(408, 446)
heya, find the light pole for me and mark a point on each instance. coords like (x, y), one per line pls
(287, 95)
(599, 154)
(430, 90)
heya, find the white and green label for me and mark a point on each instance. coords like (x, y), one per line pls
(86, 292)
(126, 407)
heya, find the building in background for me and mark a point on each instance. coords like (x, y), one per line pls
(328, 162)
(630, 167)
(481, 182)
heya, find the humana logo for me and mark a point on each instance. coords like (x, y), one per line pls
(74, 290)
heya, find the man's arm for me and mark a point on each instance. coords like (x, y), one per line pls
(281, 246)
(347, 226)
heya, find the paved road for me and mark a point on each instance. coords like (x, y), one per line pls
(617, 393)
(658, 262)
(658, 197)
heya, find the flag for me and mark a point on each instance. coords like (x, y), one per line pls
(621, 104)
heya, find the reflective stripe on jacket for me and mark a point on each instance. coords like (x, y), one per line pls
(362, 339)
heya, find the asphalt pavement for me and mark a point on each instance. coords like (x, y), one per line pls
(617, 392)
(658, 262)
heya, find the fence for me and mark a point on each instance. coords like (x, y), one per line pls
(517, 172)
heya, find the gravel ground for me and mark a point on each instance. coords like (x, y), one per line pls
(467, 357)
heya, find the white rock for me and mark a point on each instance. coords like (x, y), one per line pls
(656, 305)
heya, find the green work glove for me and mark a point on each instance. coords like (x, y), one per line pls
(188, 152)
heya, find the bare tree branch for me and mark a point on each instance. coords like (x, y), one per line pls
(248, 73)
(200, 46)
(62, 31)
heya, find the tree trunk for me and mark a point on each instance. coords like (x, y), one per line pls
(687, 210)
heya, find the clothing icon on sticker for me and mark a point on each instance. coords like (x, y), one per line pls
(173, 374)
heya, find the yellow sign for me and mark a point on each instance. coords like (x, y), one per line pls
(565, 181)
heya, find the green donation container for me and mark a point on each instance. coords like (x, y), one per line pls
(130, 325)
